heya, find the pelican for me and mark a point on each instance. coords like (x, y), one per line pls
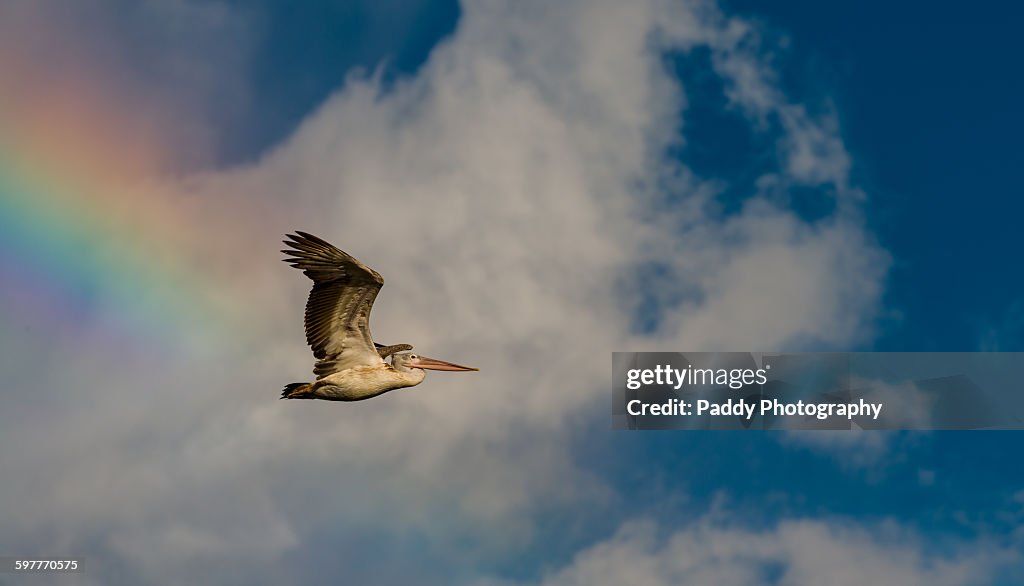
(350, 365)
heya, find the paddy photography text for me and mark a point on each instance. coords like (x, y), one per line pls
(754, 403)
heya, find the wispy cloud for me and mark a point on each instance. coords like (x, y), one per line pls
(795, 552)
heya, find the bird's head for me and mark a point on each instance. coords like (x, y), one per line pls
(407, 361)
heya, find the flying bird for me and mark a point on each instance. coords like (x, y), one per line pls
(350, 366)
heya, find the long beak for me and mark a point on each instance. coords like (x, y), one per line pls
(432, 364)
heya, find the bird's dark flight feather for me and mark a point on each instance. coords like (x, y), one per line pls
(337, 319)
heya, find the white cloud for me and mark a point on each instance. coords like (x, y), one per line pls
(853, 449)
(507, 193)
(794, 552)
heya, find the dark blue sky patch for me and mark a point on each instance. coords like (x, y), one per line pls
(766, 479)
(306, 50)
(929, 106)
(719, 141)
(653, 289)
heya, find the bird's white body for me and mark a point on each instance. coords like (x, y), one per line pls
(365, 382)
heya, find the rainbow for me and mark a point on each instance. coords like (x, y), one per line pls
(85, 229)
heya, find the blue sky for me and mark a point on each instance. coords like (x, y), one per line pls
(901, 235)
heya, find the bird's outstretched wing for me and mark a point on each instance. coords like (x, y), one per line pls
(338, 310)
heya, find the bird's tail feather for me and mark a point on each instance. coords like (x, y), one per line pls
(297, 391)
